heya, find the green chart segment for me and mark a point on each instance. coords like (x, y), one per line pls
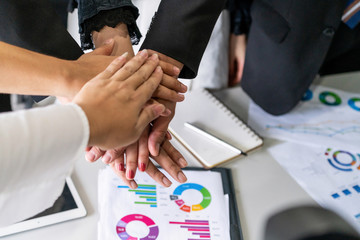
(176, 196)
(146, 194)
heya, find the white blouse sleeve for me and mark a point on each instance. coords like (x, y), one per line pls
(38, 148)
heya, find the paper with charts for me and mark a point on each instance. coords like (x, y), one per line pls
(330, 175)
(326, 116)
(194, 210)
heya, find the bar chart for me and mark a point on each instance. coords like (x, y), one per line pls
(145, 194)
(197, 229)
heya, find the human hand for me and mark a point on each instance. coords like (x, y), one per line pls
(236, 58)
(124, 88)
(159, 128)
(86, 67)
(170, 87)
(169, 159)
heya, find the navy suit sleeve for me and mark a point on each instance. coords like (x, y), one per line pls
(34, 25)
(182, 29)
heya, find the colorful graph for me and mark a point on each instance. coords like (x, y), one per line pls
(176, 196)
(329, 128)
(146, 194)
(153, 229)
(346, 192)
(329, 98)
(199, 229)
(352, 103)
(342, 160)
(307, 96)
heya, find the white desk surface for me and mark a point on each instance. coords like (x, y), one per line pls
(262, 185)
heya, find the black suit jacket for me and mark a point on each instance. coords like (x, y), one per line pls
(181, 32)
(288, 43)
(34, 25)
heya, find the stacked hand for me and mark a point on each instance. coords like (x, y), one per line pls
(154, 140)
(121, 110)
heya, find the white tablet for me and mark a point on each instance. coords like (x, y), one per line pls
(68, 206)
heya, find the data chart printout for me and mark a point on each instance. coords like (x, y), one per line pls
(197, 209)
(331, 176)
(325, 116)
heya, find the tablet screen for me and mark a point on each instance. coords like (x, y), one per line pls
(64, 203)
(68, 206)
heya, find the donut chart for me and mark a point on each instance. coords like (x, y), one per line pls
(176, 196)
(324, 95)
(339, 164)
(121, 227)
(352, 103)
(307, 96)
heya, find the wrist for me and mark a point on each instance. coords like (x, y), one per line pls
(110, 33)
(71, 82)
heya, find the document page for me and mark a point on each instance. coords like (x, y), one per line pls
(197, 209)
(329, 175)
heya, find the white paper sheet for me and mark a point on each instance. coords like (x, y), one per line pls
(326, 116)
(195, 210)
(329, 175)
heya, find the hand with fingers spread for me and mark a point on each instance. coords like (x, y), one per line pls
(119, 114)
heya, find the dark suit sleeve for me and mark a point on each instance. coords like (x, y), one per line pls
(182, 29)
(240, 19)
(34, 25)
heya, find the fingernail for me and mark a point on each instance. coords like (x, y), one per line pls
(158, 69)
(143, 53)
(166, 182)
(142, 167)
(90, 156)
(106, 159)
(167, 111)
(133, 185)
(154, 56)
(176, 71)
(181, 97)
(130, 174)
(183, 87)
(121, 167)
(109, 41)
(124, 55)
(182, 177)
(183, 162)
(168, 135)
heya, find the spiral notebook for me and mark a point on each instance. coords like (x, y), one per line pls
(203, 111)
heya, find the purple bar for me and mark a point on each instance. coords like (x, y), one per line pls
(202, 233)
(198, 239)
(193, 227)
(197, 221)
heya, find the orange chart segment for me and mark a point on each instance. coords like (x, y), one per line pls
(176, 197)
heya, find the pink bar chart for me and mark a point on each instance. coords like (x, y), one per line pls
(198, 229)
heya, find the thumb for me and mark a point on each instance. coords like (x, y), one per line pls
(149, 113)
(105, 49)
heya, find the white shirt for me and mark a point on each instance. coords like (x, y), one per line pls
(38, 148)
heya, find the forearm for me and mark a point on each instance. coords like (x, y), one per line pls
(27, 72)
(183, 33)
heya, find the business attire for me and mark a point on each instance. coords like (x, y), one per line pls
(38, 149)
(289, 43)
(35, 25)
(181, 33)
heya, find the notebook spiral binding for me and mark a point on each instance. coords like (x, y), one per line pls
(231, 114)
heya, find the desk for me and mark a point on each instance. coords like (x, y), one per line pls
(262, 186)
